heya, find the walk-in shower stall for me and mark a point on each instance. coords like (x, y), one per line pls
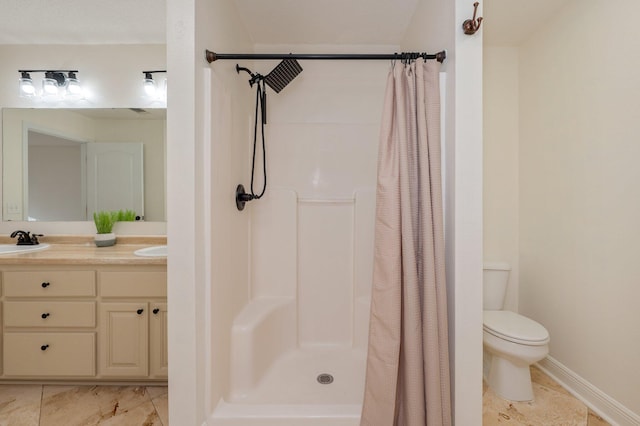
(298, 344)
(291, 272)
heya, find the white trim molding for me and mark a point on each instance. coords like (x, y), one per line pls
(608, 408)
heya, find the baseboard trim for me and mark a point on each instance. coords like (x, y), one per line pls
(608, 408)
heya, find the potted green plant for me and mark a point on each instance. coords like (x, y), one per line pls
(104, 221)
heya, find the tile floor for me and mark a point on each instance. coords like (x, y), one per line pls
(553, 405)
(49, 405)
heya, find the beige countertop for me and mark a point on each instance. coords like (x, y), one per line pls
(80, 250)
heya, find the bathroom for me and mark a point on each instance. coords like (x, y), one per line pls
(517, 239)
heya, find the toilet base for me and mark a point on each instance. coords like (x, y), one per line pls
(510, 381)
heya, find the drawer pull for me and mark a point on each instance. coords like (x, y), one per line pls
(156, 310)
(44, 347)
(140, 311)
(45, 284)
(45, 315)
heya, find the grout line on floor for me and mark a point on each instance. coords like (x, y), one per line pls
(155, 407)
(41, 400)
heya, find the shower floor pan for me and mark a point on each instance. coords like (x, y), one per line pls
(275, 382)
(290, 393)
(293, 378)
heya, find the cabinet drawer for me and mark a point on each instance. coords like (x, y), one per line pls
(49, 314)
(49, 354)
(133, 284)
(49, 284)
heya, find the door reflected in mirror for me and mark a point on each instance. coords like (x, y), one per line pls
(64, 164)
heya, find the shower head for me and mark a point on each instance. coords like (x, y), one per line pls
(283, 74)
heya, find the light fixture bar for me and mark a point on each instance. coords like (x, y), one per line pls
(55, 84)
(74, 71)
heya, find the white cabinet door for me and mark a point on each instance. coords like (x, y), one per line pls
(123, 341)
(115, 177)
(158, 349)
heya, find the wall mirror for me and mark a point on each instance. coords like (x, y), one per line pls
(61, 164)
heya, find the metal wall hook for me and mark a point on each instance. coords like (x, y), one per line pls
(470, 26)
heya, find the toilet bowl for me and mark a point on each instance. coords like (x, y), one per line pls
(513, 341)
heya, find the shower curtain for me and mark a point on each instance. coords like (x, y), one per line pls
(407, 378)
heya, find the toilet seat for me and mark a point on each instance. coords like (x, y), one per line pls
(515, 328)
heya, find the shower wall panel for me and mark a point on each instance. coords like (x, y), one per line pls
(312, 233)
(322, 161)
(274, 245)
(325, 278)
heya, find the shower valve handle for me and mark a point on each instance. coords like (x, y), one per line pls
(242, 197)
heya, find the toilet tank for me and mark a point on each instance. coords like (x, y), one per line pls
(495, 277)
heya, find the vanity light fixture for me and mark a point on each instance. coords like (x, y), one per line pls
(150, 86)
(55, 84)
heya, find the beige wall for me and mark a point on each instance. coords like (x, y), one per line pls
(500, 156)
(577, 205)
(110, 75)
(579, 199)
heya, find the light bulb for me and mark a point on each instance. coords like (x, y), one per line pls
(49, 86)
(149, 85)
(27, 89)
(73, 89)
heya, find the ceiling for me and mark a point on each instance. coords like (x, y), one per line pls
(82, 22)
(144, 21)
(506, 22)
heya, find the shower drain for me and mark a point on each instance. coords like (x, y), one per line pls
(325, 378)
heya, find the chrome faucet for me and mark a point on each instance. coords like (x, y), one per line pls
(26, 238)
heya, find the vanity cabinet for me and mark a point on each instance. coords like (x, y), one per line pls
(100, 323)
(133, 332)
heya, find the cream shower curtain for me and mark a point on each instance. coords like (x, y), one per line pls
(407, 380)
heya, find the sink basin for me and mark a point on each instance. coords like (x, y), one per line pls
(155, 251)
(14, 249)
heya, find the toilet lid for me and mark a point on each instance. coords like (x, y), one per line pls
(515, 328)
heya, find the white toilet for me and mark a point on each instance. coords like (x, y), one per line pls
(513, 341)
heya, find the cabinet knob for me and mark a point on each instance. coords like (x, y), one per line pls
(45, 285)
(44, 347)
(140, 311)
(45, 315)
(156, 310)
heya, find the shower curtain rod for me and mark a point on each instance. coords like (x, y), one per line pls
(213, 56)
